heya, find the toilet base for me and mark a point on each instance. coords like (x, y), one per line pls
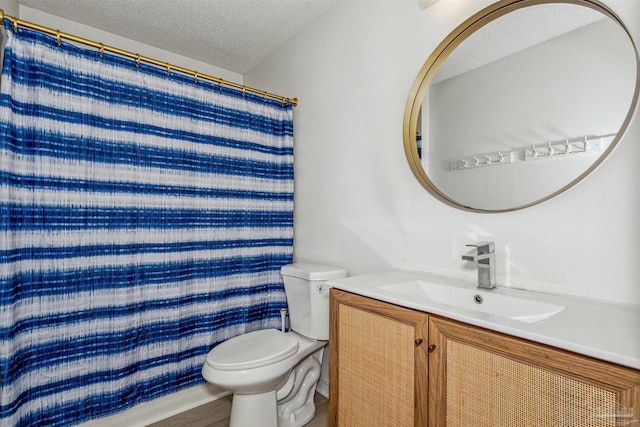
(280, 394)
(254, 410)
(298, 407)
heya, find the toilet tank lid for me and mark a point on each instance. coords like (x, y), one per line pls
(313, 271)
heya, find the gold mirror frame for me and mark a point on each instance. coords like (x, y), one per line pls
(442, 52)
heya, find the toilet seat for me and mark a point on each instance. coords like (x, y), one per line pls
(252, 350)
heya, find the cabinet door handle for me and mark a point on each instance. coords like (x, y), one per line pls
(418, 341)
(431, 348)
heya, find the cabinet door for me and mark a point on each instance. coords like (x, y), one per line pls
(377, 363)
(482, 378)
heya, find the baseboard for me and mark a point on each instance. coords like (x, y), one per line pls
(159, 409)
(323, 387)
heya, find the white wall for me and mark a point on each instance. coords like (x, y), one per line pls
(10, 7)
(358, 204)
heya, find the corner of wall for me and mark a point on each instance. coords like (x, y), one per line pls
(10, 7)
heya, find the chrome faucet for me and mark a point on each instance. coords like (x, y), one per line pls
(486, 260)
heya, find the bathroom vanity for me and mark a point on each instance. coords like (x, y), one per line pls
(407, 354)
(418, 349)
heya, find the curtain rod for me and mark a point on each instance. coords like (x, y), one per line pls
(139, 58)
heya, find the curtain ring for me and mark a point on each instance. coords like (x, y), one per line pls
(195, 77)
(168, 69)
(58, 37)
(15, 25)
(101, 50)
(221, 84)
(137, 60)
(244, 91)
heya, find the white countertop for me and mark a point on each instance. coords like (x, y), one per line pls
(602, 330)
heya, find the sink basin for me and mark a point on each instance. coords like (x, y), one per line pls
(512, 307)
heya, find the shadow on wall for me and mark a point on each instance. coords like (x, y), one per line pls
(369, 248)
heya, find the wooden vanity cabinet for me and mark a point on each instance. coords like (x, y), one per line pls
(377, 363)
(392, 366)
(481, 378)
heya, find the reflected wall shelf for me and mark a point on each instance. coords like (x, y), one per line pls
(554, 149)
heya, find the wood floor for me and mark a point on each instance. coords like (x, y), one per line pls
(216, 414)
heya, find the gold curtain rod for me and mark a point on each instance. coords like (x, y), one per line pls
(139, 58)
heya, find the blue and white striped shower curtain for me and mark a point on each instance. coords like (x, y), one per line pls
(144, 218)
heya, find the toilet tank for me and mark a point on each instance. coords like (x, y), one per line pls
(308, 297)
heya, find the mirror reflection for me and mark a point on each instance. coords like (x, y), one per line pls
(526, 105)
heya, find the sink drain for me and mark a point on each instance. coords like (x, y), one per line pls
(477, 299)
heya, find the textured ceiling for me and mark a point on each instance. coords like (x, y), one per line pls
(232, 34)
(239, 34)
(514, 32)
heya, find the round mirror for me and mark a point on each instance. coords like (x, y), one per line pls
(521, 102)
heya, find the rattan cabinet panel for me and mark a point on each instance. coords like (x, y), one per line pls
(378, 363)
(481, 378)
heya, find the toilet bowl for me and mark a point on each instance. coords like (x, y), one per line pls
(259, 384)
(273, 374)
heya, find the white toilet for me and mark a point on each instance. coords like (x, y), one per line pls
(273, 374)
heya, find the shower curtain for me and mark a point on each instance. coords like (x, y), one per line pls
(144, 219)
